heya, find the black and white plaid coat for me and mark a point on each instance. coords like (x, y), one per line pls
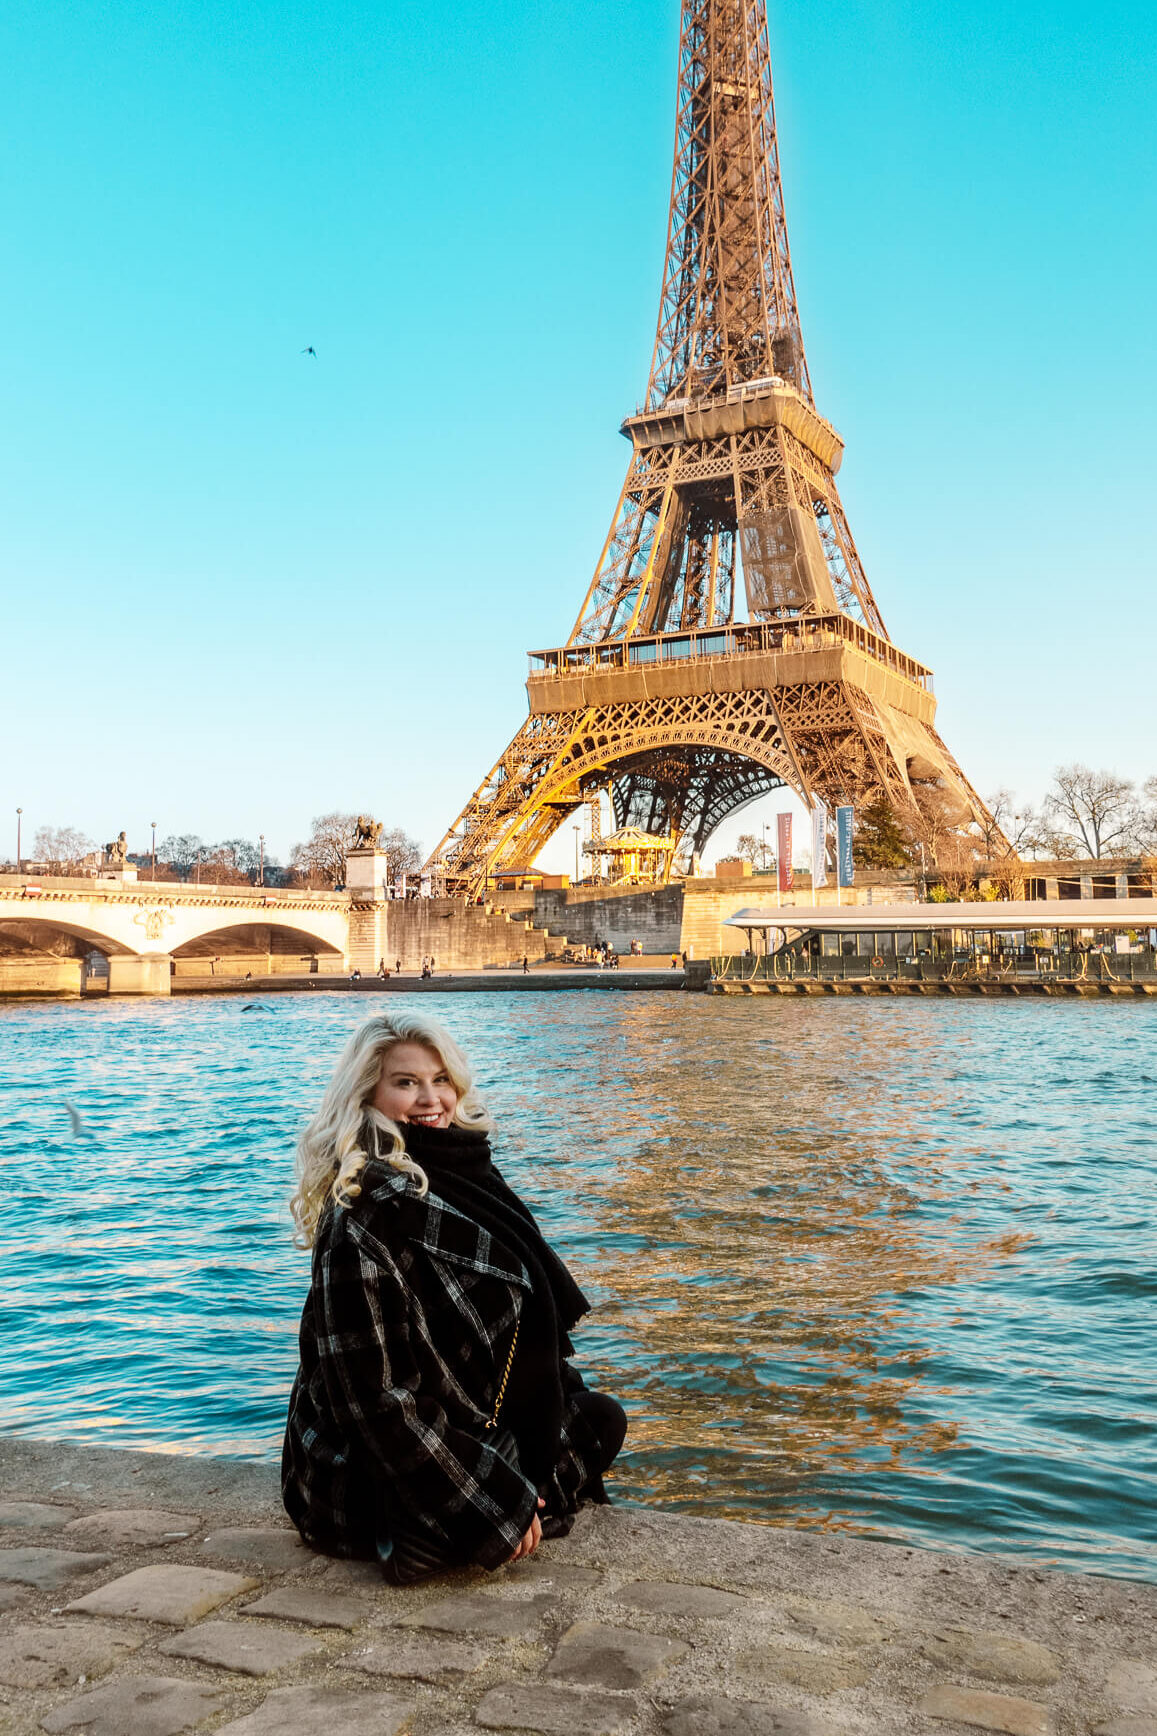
(404, 1339)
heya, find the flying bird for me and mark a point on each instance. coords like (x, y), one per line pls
(309, 351)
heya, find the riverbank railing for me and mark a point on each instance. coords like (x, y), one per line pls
(1139, 964)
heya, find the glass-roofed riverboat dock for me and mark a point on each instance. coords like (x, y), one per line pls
(1045, 941)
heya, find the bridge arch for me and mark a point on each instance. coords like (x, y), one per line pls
(243, 949)
(290, 935)
(28, 934)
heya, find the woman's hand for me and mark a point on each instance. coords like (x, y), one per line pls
(533, 1537)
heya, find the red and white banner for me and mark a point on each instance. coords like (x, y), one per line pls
(783, 851)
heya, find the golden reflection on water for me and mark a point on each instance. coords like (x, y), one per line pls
(766, 1251)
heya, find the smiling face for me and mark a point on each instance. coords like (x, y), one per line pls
(414, 1086)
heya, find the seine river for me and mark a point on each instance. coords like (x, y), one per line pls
(881, 1267)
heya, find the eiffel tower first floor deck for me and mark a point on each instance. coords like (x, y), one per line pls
(684, 729)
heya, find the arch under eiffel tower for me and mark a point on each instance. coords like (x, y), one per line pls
(729, 643)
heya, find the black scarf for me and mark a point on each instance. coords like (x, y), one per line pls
(457, 1162)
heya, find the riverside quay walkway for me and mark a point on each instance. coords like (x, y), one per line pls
(149, 1595)
(1057, 946)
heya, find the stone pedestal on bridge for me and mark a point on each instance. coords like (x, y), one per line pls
(365, 875)
(365, 878)
(147, 974)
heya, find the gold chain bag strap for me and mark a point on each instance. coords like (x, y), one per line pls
(493, 1421)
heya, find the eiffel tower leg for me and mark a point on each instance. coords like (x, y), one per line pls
(506, 822)
(857, 754)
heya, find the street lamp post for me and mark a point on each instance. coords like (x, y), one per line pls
(153, 870)
(763, 862)
(261, 865)
(576, 830)
(19, 811)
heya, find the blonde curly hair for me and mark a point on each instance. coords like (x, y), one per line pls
(332, 1151)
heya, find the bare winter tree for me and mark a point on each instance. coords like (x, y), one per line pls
(1017, 824)
(233, 863)
(242, 855)
(179, 853)
(403, 853)
(937, 827)
(1016, 821)
(322, 856)
(1148, 821)
(755, 850)
(321, 859)
(1093, 813)
(60, 848)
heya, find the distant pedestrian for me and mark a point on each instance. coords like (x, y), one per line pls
(674, 961)
(525, 965)
(397, 967)
(431, 964)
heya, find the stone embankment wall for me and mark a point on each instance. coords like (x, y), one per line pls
(653, 917)
(149, 1595)
(35, 961)
(458, 936)
(41, 976)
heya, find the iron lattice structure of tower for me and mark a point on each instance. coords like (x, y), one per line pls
(665, 694)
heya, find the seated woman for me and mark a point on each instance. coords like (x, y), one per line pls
(435, 1420)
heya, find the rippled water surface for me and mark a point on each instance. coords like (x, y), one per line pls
(879, 1267)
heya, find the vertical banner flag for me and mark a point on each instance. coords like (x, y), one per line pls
(845, 867)
(819, 846)
(783, 851)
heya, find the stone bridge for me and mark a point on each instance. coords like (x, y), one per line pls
(147, 930)
(154, 931)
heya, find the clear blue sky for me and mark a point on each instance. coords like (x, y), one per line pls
(244, 586)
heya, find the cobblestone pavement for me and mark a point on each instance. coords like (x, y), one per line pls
(148, 1595)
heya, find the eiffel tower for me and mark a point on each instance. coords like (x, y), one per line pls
(729, 643)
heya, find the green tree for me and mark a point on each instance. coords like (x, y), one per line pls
(880, 840)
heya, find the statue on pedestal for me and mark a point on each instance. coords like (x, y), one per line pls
(367, 831)
(116, 853)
